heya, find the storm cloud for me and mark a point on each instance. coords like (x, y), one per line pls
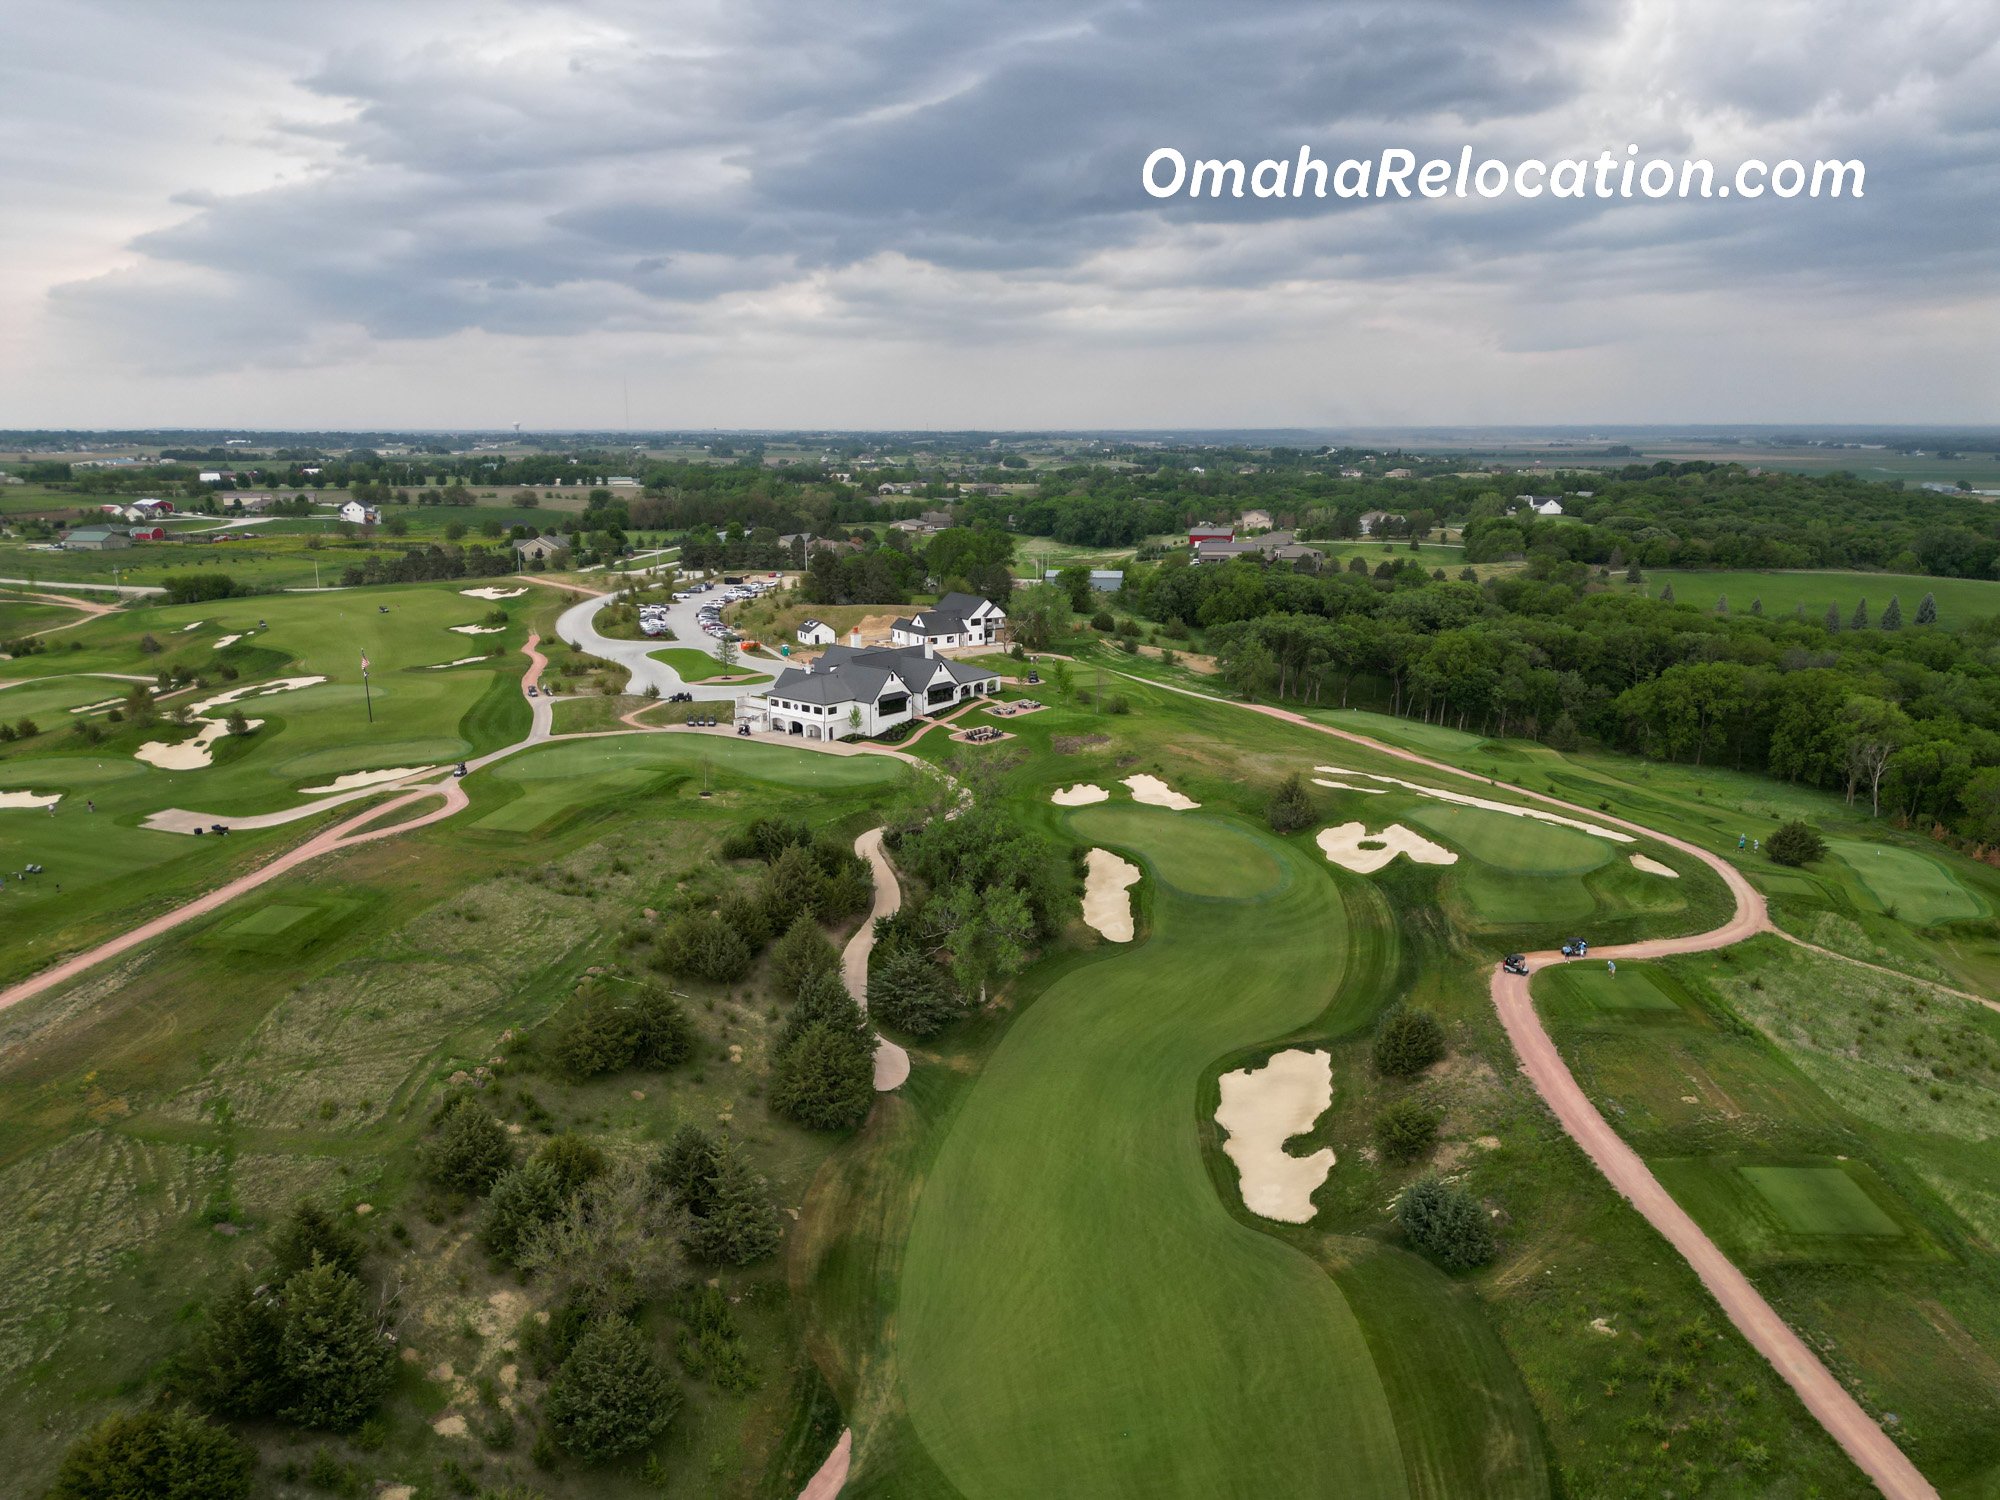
(782, 213)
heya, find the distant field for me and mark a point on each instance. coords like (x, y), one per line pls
(1959, 600)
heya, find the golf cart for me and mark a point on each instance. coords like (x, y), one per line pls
(459, 769)
(1515, 963)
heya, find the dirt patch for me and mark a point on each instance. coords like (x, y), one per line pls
(1261, 1109)
(1353, 847)
(1107, 895)
(1071, 744)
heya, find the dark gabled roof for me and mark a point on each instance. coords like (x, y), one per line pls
(966, 605)
(938, 621)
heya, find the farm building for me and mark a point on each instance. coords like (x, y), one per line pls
(1207, 532)
(817, 633)
(1107, 580)
(851, 691)
(96, 539)
(955, 620)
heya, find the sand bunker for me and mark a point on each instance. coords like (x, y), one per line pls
(1341, 786)
(1649, 866)
(1080, 795)
(255, 690)
(50, 799)
(1463, 800)
(1156, 793)
(188, 755)
(354, 779)
(192, 625)
(492, 593)
(91, 708)
(1107, 900)
(1344, 845)
(226, 640)
(477, 629)
(463, 661)
(1261, 1109)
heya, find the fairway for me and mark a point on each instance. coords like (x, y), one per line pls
(1960, 601)
(1909, 885)
(1595, 993)
(1505, 900)
(267, 921)
(1521, 845)
(1079, 1313)
(725, 755)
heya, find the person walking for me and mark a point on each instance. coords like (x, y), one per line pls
(1611, 964)
(1741, 840)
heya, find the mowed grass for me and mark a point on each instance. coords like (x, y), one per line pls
(1078, 1313)
(1960, 601)
(1813, 1210)
(1521, 845)
(699, 666)
(1909, 885)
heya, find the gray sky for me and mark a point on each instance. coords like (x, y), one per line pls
(928, 213)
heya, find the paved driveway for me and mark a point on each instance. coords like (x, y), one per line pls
(577, 625)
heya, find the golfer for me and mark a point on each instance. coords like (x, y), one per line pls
(1611, 964)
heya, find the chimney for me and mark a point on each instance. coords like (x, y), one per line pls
(927, 647)
(854, 638)
(809, 669)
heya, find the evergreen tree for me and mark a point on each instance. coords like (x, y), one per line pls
(824, 999)
(1833, 619)
(610, 1396)
(792, 885)
(336, 1359)
(155, 1455)
(1796, 843)
(802, 954)
(688, 1168)
(309, 1231)
(1860, 620)
(1927, 610)
(1405, 1130)
(1667, 594)
(522, 1198)
(825, 1079)
(1291, 806)
(663, 1035)
(1892, 616)
(468, 1150)
(1407, 1041)
(1446, 1223)
(1757, 608)
(908, 991)
(231, 1367)
(1722, 604)
(739, 1223)
(1633, 574)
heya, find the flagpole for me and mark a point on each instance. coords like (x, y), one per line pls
(367, 696)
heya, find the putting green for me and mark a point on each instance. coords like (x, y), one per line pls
(1910, 885)
(1521, 845)
(1205, 856)
(267, 921)
(1820, 1200)
(1079, 1314)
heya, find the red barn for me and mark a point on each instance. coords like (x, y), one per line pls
(1205, 533)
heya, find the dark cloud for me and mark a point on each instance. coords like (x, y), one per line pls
(971, 171)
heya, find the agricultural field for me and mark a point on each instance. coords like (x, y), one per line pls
(1960, 601)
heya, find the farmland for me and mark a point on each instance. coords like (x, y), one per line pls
(1959, 600)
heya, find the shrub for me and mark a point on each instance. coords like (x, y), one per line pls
(738, 1222)
(523, 1198)
(1291, 806)
(825, 1078)
(1796, 843)
(908, 991)
(704, 947)
(311, 1231)
(335, 1358)
(155, 1455)
(1446, 1223)
(664, 1034)
(594, 1037)
(1405, 1130)
(1102, 622)
(687, 1168)
(792, 885)
(468, 1150)
(1407, 1042)
(610, 1396)
(801, 955)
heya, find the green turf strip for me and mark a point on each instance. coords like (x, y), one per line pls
(1914, 886)
(1522, 845)
(1079, 1314)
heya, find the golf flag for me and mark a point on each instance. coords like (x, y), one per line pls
(364, 664)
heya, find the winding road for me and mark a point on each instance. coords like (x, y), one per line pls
(577, 625)
(892, 1063)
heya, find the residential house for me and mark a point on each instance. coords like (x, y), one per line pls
(853, 691)
(1272, 546)
(817, 633)
(1397, 474)
(360, 515)
(539, 548)
(955, 620)
(96, 539)
(1257, 520)
(1373, 521)
(210, 476)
